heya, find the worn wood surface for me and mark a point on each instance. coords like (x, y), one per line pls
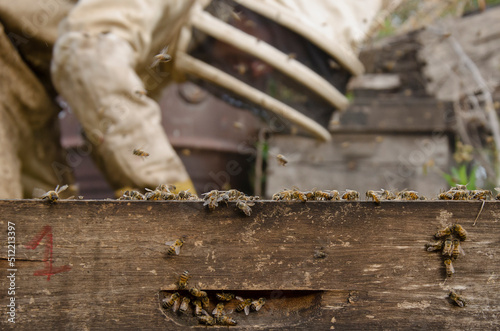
(376, 273)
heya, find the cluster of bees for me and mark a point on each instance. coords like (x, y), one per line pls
(162, 192)
(213, 198)
(460, 192)
(347, 195)
(449, 244)
(199, 301)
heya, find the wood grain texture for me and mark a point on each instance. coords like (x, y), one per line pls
(374, 255)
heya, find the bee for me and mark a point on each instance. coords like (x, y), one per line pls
(186, 195)
(459, 301)
(184, 305)
(457, 249)
(445, 196)
(206, 319)
(497, 197)
(175, 247)
(241, 68)
(245, 206)
(448, 247)
(450, 270)
(430, 247)
(223, 197)
(166, 188)
(218, 310)
(163, 56)
(372, 195)
(319, 255)
(297, 195)
(442, 233)
(197, 292)
(282, 160)
(205, 302)
(388, 195)
(153, 195)
(198, 308)
(225, 320)
(140, 152)
(350, 195)
(459, 194)
(211, 203)
(459, 231)
(136, 195)
(172, 301)
(244, 305)
(256, 305)
(408, 195)
(183, 280)
(53, 196)
(480, 195)
(224, 296)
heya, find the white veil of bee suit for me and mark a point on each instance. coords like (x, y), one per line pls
(101, 58)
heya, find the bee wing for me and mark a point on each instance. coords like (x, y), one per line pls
(177, 249)
(204, 312)
(239, 298)
(38, 193)
(214, 311)
(461, 250)
(176, 306)
(247, 310)
(62, 188)
(169, 243)
(230, 311)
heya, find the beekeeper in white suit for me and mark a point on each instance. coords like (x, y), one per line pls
(99, 55)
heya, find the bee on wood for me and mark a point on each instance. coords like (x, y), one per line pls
(225, 320)
(206, 319)
(132, 195)
(183, 280)
(140, 152)
(175, 247)
(459, 301)
(430, 247)
(153, 195)
(460, 231)
(445, 196)
(460, 194)
(173, 300)
(373, 195)
(443, 233)
(350, 195)
(186, 195)
(198, 308)
(211, 203)
(218, 310)
(450, 270)
(224, 296)
(184, 305)
(457, 249)
(282, 160)
(319, 255)
(163, 56)
(298, 195)
(53, 196)
(223, 197)
(480, 195)
(244, 305)
(244, 206)
(387, 195)
(197, 292)
(408, 195)
(205, 302)
(448, 247)
(256, 305)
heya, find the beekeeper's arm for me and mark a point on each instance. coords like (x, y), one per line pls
(101, 46)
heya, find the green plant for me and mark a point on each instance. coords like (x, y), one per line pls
(459, 175)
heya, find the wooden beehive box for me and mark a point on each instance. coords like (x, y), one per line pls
(103, 264)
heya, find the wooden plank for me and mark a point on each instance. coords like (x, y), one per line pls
(376, 273)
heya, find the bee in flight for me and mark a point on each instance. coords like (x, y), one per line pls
(256, 305)
(459, 301)
(163, 56)
(53, 196)
(224, 296)
(175, 246)
(282, 160)
(183, 280)
(244, 305)
(184, 305)
(140, 152)
(173, 300)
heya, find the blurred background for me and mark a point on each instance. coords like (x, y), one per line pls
(422, 117)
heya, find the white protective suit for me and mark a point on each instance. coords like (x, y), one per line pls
(101, 66)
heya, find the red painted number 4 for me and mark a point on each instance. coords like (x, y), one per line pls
(49, 269)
